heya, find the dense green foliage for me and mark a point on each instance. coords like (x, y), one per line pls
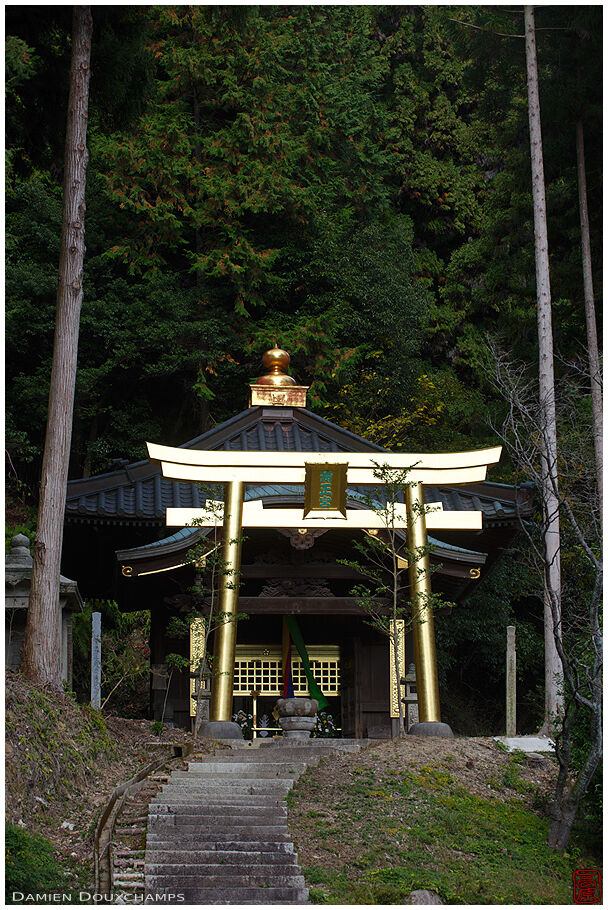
(369, 209)
(125, 658)
(471, 646)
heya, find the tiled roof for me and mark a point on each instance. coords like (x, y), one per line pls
(138, 493)
(145, 498)
(187, 537)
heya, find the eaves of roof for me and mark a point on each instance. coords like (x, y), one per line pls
(139, 494)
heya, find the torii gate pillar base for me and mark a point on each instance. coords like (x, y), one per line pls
(431, 728)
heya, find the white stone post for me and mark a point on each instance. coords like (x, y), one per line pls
(511, 682)
(96, 661)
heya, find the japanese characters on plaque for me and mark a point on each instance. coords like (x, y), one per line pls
(325, 489)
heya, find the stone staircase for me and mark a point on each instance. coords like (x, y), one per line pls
(217, 833)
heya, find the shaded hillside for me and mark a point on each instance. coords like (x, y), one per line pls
(62, 762)
(460, 817)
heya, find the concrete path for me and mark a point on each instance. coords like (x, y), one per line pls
(527, 743)
(217, 833)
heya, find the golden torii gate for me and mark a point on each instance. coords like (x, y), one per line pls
(235, 469)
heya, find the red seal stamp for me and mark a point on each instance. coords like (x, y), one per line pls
(587, 886)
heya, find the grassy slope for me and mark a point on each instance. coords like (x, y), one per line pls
(374, 826)
(62, 762)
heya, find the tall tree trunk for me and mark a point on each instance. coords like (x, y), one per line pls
(592, 346)
(41, 657)
(552, 581)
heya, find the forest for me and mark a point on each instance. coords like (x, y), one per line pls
(351, 183)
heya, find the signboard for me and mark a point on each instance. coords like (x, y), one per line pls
(197, 647)
(325, 488)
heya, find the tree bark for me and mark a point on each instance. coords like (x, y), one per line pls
(552, 581)
(41, 657)
(570, 792)
(592, 346)
(561, 826)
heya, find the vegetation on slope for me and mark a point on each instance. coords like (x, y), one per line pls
(459, 817)
(62, 762)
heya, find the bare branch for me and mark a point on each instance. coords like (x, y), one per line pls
(481, 29)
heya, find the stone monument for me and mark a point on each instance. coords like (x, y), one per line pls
(17, 580)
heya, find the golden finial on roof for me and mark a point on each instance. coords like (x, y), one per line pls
(276, 360)
(276, 388)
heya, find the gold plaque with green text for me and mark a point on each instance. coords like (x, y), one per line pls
(325, 489)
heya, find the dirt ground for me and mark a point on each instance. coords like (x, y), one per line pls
(472, 762)
(477, 764)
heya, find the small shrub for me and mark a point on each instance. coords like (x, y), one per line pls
(31, 866)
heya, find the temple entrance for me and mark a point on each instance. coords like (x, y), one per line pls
(258, 682)
(292, 490)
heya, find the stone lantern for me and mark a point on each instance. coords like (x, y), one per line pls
(17, 580)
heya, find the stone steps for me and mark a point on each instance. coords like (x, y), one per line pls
(205, 785)
(231, 794)
(254, 800)
(217, 833)
(215, 874)
(207, 812)
(327, 745)
(263, 767)
(245, 771)
(259, 747)
(228, 857)
(216, 823)
(226, 842)
(262, 756)
(222, 832)
(206, 821)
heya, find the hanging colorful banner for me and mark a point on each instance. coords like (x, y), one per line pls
(288, 691)
(296, 636)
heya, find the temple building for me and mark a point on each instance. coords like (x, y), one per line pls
(116, 527)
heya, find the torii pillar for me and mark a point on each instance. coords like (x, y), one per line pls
(220, 708)
(423, 625)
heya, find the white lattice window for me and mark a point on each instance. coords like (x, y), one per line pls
(259, 668)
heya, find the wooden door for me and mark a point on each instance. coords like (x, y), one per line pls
(349, 693)
(372, 666)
